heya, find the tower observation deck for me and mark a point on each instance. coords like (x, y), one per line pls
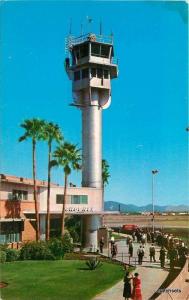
(91, 65)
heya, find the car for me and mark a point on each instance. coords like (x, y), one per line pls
(129, 228)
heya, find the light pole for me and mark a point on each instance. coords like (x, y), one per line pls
(154, 172)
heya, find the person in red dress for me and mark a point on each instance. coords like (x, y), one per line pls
(136, 294)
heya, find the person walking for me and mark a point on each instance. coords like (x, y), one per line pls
(173, 256)
(152, 253)
(127, 286)
(143, 240)
(133, 236)
(131, 249)
(140, 253)
(136, 293)
(111, 243)
(162, 257)
(101, 244)
(114, 250)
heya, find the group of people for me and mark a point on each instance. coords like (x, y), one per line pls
(132, 287)
(171, 248)
(175, 249)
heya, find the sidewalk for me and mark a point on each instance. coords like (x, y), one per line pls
(151, 274)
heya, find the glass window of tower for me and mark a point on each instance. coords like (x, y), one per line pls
(84, 50)
(105, 51)
(76, 75)
(106, 74)
(100, 50)
(93, 72)
(85, 73)
(95, 49)
(73, 59)
(99, 73)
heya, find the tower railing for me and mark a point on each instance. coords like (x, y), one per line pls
(72, 41)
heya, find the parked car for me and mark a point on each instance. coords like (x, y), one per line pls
(129, 228)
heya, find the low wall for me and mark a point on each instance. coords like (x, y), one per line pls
(179, 288)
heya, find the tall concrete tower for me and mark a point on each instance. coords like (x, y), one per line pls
(91, 66)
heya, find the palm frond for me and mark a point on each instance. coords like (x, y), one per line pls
(68, 156)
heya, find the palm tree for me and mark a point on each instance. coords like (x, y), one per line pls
(105, 175)
(51, 132)
(68, 156)
(105, 172)
(33, 129)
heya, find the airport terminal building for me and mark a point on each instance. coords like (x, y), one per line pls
(17, 208)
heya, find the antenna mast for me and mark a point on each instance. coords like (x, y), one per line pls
(100, 27)
(70, 29)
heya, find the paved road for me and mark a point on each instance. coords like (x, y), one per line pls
(151, 274)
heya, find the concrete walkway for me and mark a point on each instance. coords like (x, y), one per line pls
(151, 274)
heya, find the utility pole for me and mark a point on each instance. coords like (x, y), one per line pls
(154, 172)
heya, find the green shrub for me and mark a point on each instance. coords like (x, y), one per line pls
(59, 247)
(74, 234)
(12, 254)
(42, 250)
(2, 256)
(3, 247)
(36, 251)
(67, 243)
(56, 247)
(93, 263)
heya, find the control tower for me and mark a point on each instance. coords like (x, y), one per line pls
(91, 66)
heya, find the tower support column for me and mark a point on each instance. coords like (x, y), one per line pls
(92, 146)
(91, 223)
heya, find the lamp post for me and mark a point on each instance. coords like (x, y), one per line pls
(154, 172)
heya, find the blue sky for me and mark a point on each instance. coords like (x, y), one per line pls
(145, 126)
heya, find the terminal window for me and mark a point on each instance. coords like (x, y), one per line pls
(11, 232)
(60, 198)
(19, 195)
(79, 199)
(72, 199)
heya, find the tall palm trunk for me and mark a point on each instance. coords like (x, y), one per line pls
(64, 204)
(35, 191)
(102, 204)
(48, 195)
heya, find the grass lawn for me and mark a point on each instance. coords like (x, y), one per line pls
(54, 280)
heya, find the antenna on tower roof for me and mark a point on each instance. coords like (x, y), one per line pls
(70, 29)
(100, 27)
(112, 35)
(81, 28)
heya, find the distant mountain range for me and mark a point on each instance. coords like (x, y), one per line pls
(117, 206)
